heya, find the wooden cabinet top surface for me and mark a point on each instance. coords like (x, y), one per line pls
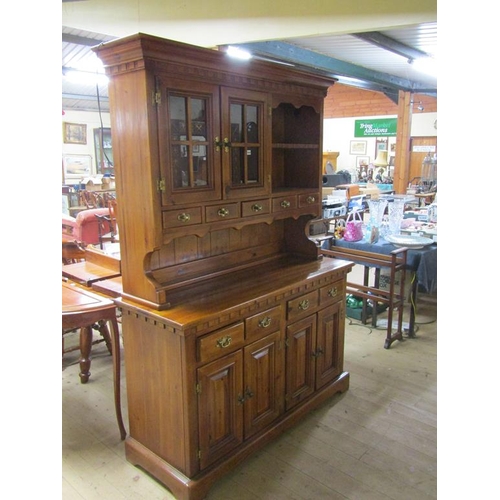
(230, 297)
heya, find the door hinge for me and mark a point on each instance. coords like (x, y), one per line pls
(198, 388)
(270, 111)
(157, 98)
(160, 184)
(199, 454)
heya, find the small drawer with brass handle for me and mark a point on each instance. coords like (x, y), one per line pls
(261, 324)
(332, 293)
(221, 342)
(222, 212)
(303, 305)
(255, 207)
(306, 200)
(182, 217)
(284, 203)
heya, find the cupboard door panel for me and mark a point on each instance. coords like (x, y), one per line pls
(329, 344)
(220, 410)
(245, 142)
(263, 383)
(300, 346)
(189, 127)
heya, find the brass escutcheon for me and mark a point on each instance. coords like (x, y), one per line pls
(304, 305)
(333, 291)
(184, 217)
(224, 342)
(222, 212)
(265, 322)
(285, 204)
(256, 207)
(311, 199)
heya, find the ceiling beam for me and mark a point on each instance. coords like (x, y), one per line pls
(82, 40)
(314, 61)
(388, 43)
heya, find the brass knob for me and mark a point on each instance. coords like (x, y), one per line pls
(227, 145)
(222, 212)
(224, 342)
(304, 305)
(265, 322)
(184, 217)
(285, 204)
(218, 144)
(333, 291)
(256, 207)
(311, 199)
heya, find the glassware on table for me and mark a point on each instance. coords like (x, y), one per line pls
(396, 211)
(377, 209)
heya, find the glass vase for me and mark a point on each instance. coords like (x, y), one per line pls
(396, 211)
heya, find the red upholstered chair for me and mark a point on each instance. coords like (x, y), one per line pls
(83, 228)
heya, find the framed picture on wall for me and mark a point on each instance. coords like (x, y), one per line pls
(74, 133)
(380, 145)
(362, 162)
(358, 148)
(77, 166)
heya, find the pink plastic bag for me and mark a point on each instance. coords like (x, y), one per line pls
(353, 227)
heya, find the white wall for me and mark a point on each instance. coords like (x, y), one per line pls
(93, 121)
(339, 132)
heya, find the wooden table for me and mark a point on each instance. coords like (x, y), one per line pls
(97, 266)
(81, 309)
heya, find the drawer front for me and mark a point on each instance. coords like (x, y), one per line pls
(182, 217)
(263, 323)
(306, 200)
(284, 203)
(303, 305)
(222, 212)
(221, 342)
(256, 207)
(332, 293)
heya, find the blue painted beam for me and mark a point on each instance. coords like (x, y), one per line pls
(319, 63)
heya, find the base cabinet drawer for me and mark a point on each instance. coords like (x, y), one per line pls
(302, 306)
(332, 293)
(263, 323)
(221, 342)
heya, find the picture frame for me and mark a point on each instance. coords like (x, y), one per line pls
(76, 166)
(381, 144)
(357, 148)
(74, 133)
(362, 162)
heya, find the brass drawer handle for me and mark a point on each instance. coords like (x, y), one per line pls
(304, 305)
(257, 207)
(265, 322)
(311, 199)
(222, 212)
(224, 342)
(227, 145)
(333, 291)
(184, 217)
(285, 204)
(218, 144)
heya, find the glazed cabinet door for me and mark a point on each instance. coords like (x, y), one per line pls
(300, 366)
(330, 344)
(245, 142)
(189, 127)
(263, 383)
(220, 407)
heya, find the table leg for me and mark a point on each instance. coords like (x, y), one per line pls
(85, 348)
